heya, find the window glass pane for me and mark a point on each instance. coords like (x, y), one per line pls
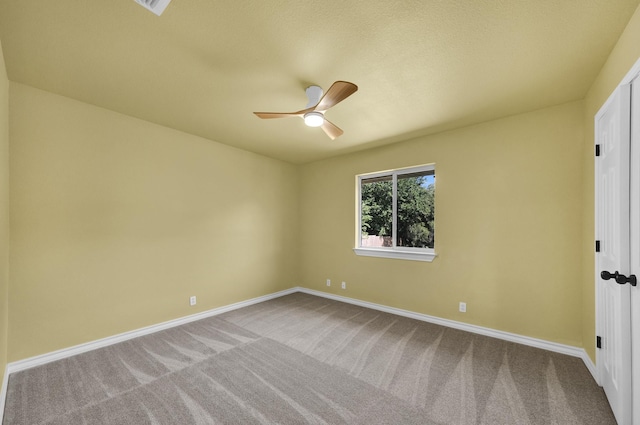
(416, 210)
(376, 212)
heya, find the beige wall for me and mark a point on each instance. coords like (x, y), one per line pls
(622, 58)
(508, 226)
(115, 222)
(4, 213)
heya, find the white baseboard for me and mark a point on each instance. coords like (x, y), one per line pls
(89, 346)
(591, 366)
(506, 336)
(3, 392)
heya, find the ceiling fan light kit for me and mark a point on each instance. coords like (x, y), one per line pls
(313, 119)
(313, 114)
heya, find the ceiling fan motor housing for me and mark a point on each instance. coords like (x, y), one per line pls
(314, 94)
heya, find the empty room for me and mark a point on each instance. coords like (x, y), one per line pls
(337, 212)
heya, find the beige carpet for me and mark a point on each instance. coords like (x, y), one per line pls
(302, 359)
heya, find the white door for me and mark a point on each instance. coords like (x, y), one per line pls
(613, 128)
(635, 248)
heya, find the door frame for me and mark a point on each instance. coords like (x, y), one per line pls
(634, 206)
(634, 171)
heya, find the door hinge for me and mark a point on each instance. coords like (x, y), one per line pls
(597, 150)
(597, 246)
(598, 342)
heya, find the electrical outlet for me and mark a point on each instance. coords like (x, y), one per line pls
(192, 300)
(463, 307)
(344, 285)
(328, 282)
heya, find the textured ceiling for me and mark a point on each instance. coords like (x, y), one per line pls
(204, 66)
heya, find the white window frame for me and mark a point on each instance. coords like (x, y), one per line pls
(402, 253)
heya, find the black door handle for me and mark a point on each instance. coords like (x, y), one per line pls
(619, 278)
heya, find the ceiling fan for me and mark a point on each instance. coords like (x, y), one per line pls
(313, 114)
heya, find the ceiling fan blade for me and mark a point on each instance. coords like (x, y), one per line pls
(338, 92)
(267, 115)
(331, 129)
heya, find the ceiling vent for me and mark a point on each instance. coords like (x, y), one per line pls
(156, 6)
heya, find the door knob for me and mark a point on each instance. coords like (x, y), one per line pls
(619, 278)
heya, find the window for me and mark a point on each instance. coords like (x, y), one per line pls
(396, 211)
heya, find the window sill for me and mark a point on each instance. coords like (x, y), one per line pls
(396, 254)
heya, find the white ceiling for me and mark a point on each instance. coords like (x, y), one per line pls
(204, 66)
